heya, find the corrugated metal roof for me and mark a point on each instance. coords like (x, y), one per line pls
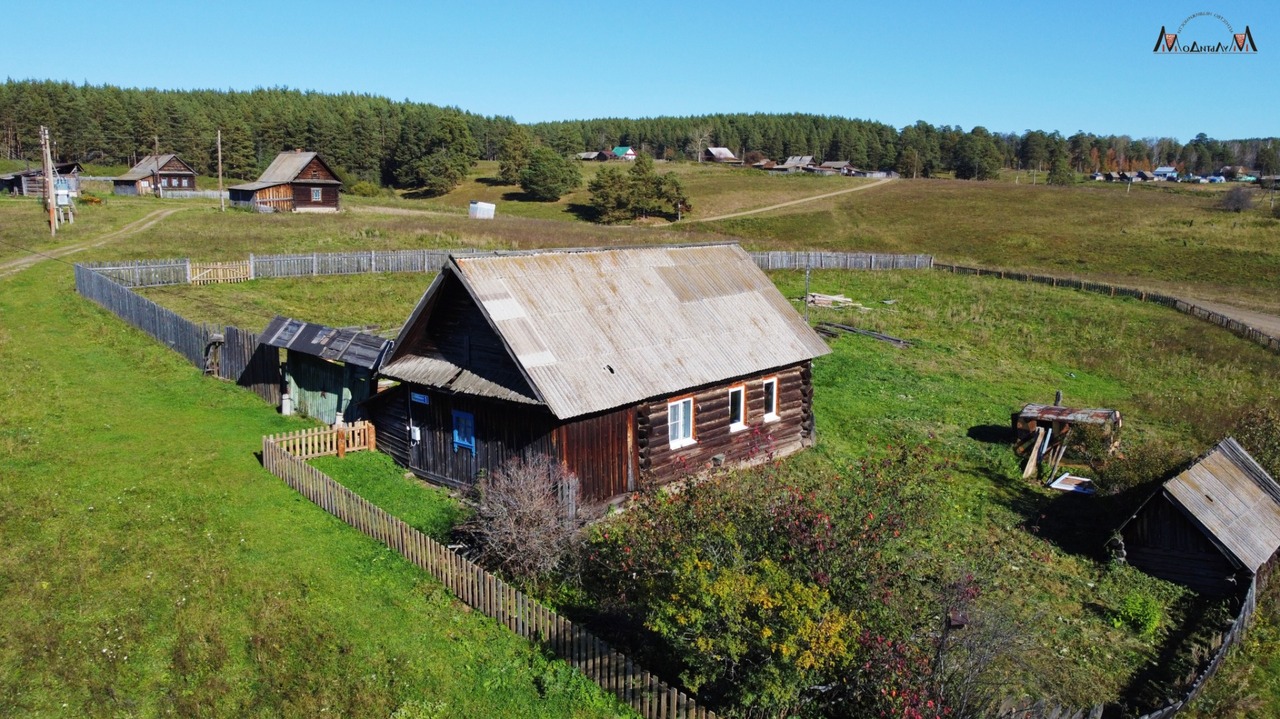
(722, 153)
(622, 150)
(146, 167)
(339, 345)
(441, 373)
(835, 164)
(1053, 413)
(286, 166)
(597, 329)
(255, 185)
(1234, 501)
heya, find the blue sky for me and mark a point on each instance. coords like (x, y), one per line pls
(1008, 66)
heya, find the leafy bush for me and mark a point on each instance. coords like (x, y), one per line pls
(1237, 199)
(364, 188)
(1140, 612)
(1138, 464)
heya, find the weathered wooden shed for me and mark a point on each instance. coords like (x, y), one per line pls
(1212, 527)
(329, 372)
(294, 182)
(155, 174)
(629, 365)
(30, 183)
(720, 154)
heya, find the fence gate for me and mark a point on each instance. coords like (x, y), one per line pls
(208, 273)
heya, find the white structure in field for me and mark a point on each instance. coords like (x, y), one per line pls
(481, 210)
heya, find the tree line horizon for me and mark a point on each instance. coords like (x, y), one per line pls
(403, 143)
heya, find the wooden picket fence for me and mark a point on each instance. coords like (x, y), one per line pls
(208, 273)
(326, 441)
(611, 670)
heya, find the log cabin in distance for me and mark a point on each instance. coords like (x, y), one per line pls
(294, 182)
(154, 174)
(630, 365)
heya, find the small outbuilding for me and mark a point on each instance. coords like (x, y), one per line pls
(294, 182)
(629, 365)
(1166, 172)
(328, 372)
(1212, 527)
(623, 152)
(154, 174)
(720, 154)
(30, 183)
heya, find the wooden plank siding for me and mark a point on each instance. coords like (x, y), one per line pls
(302, 201)
(595, 448)
(1162, 542)
(276, 197)
(792, 430)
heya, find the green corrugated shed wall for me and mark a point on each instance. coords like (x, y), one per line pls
(324, 390)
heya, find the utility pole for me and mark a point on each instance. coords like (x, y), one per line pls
(48, 179)
(222, 202)
(155, 174)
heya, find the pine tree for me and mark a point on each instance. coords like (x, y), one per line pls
(548, 176)
(514, 154)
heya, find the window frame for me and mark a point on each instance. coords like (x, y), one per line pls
(770, 398)
(317, 194)
(677, 442)
(741, 423)
(466, 439)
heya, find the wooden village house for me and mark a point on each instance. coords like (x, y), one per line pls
(294, 182)
(1214, 527)
(328, 372)
(629, 365)
(154, 174)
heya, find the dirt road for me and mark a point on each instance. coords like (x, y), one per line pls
(802, 200)
(1265, 323)
(22, 263)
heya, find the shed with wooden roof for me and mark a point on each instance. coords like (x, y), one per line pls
(720, 154)
(155, 174)
(329, 371)
(629, 365)
(30, 182)
(294, 182)
(1212, 527)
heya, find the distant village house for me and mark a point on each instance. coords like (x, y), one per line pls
(720, 154)
(294, 182)
(154, 174)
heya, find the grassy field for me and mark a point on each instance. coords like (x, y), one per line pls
(1168, 237)
(714, 190)
(152, 567)
(983, 348)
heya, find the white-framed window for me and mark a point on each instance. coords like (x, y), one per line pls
(770, 386)
(680, 423)
(737, 408)
(315, 194)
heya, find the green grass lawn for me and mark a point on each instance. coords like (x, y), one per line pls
(375, 476)
(984, 347)
(152, 567)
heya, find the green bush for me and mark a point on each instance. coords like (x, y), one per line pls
(364, 188)
(1138, 464)
(1139, 612)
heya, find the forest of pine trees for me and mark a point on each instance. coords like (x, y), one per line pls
(409, 144)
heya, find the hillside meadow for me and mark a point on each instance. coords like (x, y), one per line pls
(983, 347)
(151, 567)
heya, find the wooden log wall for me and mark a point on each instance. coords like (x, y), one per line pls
(521, 614)
(761, 438)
